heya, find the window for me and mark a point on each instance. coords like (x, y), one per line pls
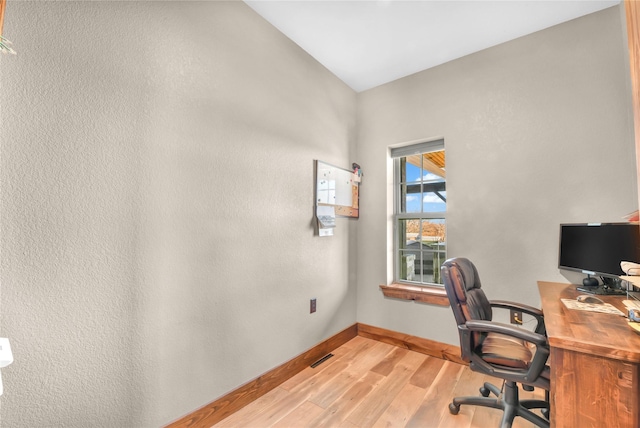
(420, 212)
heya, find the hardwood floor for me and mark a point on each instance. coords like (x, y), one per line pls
(373, 384)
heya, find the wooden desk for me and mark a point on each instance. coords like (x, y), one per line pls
(595, 363)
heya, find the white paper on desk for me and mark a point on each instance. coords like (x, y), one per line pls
(326, 216)
(605, 308)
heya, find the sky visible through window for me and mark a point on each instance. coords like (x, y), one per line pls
(431, 202)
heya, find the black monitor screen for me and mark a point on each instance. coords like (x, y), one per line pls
(598, 248)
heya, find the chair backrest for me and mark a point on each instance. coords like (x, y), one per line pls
(468, 301)
(462, 283)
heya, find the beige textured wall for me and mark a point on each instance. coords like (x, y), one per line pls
(156, 207)
(156, 210)
(538, 131)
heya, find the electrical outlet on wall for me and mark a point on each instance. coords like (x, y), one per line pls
(516, 317)
(312, 306)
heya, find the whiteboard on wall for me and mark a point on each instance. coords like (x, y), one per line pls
(337, 187)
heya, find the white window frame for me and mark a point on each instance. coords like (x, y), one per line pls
(397, 153)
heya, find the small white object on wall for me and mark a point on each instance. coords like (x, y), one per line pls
(6, 357)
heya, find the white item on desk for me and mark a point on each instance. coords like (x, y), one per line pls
(605, 308)
(631, 304)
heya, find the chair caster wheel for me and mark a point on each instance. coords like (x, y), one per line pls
(484, 391)
(453, 409)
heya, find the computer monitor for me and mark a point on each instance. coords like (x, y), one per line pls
(598, 248)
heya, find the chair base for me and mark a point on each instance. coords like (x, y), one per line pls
(508, 402)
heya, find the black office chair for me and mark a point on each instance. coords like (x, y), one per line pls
(514, 354)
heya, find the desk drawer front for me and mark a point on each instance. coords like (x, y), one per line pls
(592, 391)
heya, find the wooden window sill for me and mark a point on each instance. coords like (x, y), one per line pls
(424, 294)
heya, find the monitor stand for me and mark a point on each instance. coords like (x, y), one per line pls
(603, 290)
(590, 282)
(591, 285)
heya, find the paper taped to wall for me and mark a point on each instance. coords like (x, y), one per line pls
(326, 216)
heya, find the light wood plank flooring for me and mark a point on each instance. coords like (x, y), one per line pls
(372, 384)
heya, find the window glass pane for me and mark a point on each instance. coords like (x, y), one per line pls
(434, 198)
(422, 250)
(433, 230)
(409, 234)
(414, 173)
(433, 249)
(407, 266)
(412, 198)
(410, 187)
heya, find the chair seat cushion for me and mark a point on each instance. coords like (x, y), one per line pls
(506, 351)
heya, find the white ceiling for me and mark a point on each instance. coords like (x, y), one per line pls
(370, 42)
